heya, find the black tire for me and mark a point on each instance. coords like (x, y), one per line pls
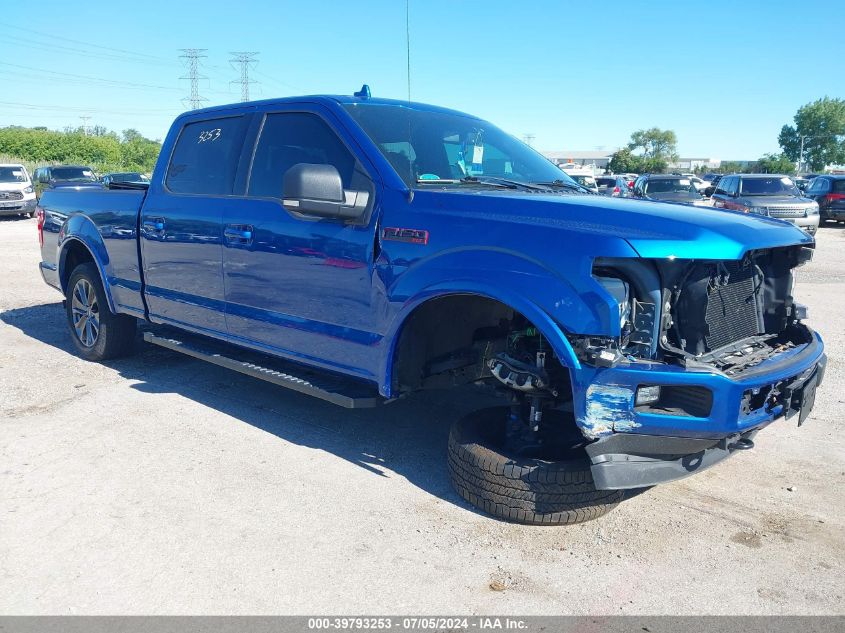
(528, 490)
(114, 334)
(32, 214)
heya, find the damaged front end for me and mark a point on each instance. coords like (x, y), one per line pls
(706, 354)
(690, 320)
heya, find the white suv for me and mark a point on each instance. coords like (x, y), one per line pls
(17, 196)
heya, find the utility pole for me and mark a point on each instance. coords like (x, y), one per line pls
(85, 120)
(244, 60)
(192, 58)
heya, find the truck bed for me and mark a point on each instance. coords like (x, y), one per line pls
(106, 220)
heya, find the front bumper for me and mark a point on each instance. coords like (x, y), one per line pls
(17, 207)
(637, 446)
(810, 224)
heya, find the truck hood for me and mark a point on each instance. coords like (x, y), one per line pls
(652, 229)
(14, 186)
(78, 184)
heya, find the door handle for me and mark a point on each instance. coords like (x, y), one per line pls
(238, 233)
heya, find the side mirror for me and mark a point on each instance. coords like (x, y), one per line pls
(318, 190)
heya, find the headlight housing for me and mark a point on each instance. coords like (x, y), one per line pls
(758, 210)
(28, 189)
(813, 209)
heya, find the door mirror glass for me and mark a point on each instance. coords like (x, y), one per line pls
(317, 190)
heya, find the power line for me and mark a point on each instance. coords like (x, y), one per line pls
(97, 80)
(408, 42)
(192, 58)
(85, 120)
(244, 60)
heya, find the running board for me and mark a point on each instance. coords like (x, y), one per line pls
(345, 392)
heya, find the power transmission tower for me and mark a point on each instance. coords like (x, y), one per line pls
(85, 120)
(192, 58)
(528, 137)
(244, 61)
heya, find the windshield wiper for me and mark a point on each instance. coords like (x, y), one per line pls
(562, 184)
(491, 181)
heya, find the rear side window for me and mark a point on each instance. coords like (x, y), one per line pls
(205, 159)
(290, 138)
(838, 186)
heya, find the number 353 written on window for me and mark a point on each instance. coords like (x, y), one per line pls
(209, 135)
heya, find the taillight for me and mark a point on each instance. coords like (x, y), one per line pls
(616, 190)
(39, 212)
(834, 196)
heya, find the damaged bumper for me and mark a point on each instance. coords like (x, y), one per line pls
(699, 419)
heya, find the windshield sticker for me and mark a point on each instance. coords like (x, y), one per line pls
(429, 177)
(477, 154)
(210, 135)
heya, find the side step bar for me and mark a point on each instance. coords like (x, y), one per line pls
(349, 393)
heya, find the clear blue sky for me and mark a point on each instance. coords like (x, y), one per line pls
(576, 75)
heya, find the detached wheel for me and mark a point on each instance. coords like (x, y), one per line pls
(97, 334)
(554, 488)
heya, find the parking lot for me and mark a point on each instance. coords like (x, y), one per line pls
(161, 485)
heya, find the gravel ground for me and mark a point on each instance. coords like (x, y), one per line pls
(162, 485)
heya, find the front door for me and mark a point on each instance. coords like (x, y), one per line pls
(300, 286)
(181, 226)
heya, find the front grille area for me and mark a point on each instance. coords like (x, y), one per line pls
(731, 311)
(11, 195)
(786, 212)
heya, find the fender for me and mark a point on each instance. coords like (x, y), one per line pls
(79, 228)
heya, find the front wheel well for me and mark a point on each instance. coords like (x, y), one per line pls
(447, 340)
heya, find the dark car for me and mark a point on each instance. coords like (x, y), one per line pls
(124, 176)
(714, 182)
(613, 186)
(829, 193)
(773, 195)
(64, 176)
(666, 188)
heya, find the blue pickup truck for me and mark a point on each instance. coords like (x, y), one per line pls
(360, 249)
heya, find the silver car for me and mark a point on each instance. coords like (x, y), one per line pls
(772, 195)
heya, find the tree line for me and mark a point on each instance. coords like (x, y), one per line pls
(97, 147)
(816, 140)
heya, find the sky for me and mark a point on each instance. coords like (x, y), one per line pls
(725, 76)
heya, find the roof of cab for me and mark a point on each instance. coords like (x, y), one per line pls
(325, 100)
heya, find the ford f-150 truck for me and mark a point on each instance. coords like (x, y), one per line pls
(360, 249)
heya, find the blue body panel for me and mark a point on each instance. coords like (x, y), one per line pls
(336, 295)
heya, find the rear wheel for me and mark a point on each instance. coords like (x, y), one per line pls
(555, 487)
(97, 333)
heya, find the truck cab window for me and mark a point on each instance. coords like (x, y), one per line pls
(288, 139)
(205, 159)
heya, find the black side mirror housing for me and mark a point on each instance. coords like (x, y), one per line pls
(317, 190)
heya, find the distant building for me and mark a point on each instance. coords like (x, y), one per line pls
(696, 163)
(598, 158)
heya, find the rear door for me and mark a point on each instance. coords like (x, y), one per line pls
(301, 286)
(181, 224)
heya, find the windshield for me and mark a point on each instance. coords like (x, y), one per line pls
(668, 185)
(606, 182)
(776, 186)
(73, 173)
(14, 173)
(426, 147)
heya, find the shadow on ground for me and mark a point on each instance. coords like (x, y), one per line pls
(407, 437)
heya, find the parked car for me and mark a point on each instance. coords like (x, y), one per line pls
(588, 181)
(360, 249)
(666, 188)
(17, 196)
(126, 176)
(767, 194)
(801, 183)
(74, 176)
(613, 186)
(699, 184)
(829, 193)
(711, 188)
